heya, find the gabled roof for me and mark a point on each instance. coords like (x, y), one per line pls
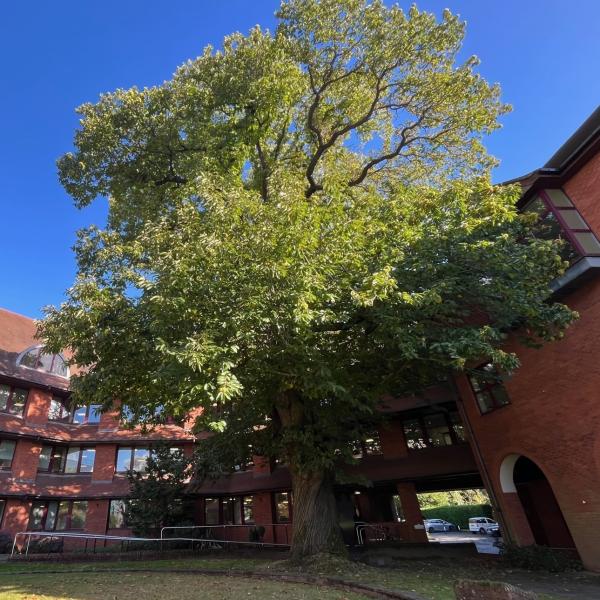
(566, 161)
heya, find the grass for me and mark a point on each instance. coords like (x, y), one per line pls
(157, 586)
(431, 579)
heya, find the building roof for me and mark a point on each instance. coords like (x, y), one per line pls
(568, 159)
(17, 333)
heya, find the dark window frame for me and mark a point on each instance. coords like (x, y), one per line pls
(62, 470)
(276, 517)
(10, 400)
(488, 389)
(12, 458)
(455, 440)
(72, 410)
(69, 518)
(233, 500)
(40, 352)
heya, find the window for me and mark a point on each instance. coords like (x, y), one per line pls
(49, 515)
(558, 218)
(282, 507)
(2, 507)
(79, 415)
(35, 358)
(12, 399)
(7, 451)
(117, 514)
(488, 388)
(211, 511)
(369, 446)
(132, 458)
(433, 430)
(397, 511)
(413, 434)
(62, 459)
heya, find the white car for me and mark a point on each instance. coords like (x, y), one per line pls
(484, 525)
(433, 525)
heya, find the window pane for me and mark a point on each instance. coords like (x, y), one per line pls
(140, 457)
(558, 198)
(78, 514)
(437, 430)
(588, 242)
(57, 461)
(413, 433)
(79, 415)
(500, 396)
(72, 460)
(88, 455)
(62, 517)
(31, 358)
(228, 505)
(4, 394)
(58, 410)
(211, 509)
(17, 403)
(2, 507)
(372, 443)
(457, 425)
(94, 416)
(116, 515)
(573, 219)
(123, 460)
(59, 367)
(7, 450)
(37, 515)
(45, 456)
(282, 507)
(248, 509)
(397, 510)
(51, 515)
(485, 401)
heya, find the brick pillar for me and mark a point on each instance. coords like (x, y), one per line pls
(263, 514)
(25, 461)
(104, 463)
(16, 516)
(392, 439)
(96, 520)
(38, 406)
(415, 531)
(516, 519)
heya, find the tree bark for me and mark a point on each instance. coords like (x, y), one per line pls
(316, 526)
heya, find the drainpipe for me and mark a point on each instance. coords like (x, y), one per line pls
(487, 480)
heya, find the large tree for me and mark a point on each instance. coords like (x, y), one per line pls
(299, 223)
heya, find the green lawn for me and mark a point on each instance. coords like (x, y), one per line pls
(430, 579)
(157, 586)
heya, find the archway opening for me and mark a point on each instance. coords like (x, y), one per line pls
(540, 505)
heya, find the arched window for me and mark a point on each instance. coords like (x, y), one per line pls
(36, 358)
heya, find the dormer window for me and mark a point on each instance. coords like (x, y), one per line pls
(36, 358)
(558, 218)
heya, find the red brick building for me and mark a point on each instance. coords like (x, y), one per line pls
(62, 467)
(537, 438)
(534, 441)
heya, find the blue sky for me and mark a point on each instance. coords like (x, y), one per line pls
(56, 55)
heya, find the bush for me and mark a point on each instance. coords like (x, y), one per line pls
(256, 533)
(46, 546)
(540, 558)
(459, 515)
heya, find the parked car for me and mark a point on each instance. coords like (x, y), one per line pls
(484, 526)
(433, 525)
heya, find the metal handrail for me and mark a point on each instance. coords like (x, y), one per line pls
(223, 526)
(97, 536)
(361, 527)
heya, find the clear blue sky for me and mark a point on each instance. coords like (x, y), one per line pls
(56, 55)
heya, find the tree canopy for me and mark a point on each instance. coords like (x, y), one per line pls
(300, 222)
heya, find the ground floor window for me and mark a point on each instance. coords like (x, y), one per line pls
(2, 507)
(435, 429)
(117, 514)
(58, 515)
(232, 510)
(283, 507)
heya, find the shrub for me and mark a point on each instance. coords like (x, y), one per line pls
(540, 558)
(459, 515)
(46, 546)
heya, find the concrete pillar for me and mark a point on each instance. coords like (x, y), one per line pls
(414, 530)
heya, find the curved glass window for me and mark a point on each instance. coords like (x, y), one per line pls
(36, 358)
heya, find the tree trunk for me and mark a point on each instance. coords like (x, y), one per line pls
(316, 526)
